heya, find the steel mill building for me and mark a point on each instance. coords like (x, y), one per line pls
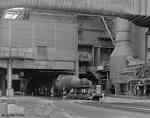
(39, 41)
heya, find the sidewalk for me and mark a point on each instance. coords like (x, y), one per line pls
(41, 107)
(29, 107)
(120, 103)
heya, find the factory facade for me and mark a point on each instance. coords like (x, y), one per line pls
(45, 43)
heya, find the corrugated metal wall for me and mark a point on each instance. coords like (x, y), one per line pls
(52, 33)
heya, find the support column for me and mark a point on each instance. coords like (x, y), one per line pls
(3, 84)
(145, 89)
(147, 46)
(117, 89)
(108, 85)
(93, 55)
(10, 91)
(99, 56)
(76, 53)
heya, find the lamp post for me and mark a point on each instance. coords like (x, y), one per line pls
(10, 91)
(10, 15)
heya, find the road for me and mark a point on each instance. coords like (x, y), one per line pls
(87, 111)
(48, 108)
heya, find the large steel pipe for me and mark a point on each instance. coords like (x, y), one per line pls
(94, 6)
(122, 50)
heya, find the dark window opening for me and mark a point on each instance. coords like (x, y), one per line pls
(42, 52)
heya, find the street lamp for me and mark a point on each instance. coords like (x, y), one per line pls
(15, 13)
(10, 15)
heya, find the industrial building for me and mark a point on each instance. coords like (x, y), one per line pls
(95, 47)
(42, 41)
(130, 59)
(40, 47)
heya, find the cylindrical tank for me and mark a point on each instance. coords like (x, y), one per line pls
(66, 81)
(70, 81)
(122, 49)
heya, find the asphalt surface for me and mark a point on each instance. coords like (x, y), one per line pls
(130, 107)
(33, 107)
(88, 111)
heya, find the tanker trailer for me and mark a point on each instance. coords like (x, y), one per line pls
(66, 82)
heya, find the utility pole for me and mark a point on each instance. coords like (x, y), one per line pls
(10, 91)
(10, 15)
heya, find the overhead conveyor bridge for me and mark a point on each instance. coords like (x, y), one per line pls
(136, 11)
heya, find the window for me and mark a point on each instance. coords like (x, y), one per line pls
(42, 52)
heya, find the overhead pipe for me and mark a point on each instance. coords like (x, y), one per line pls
(101, 7)
(121, 8)
(107, 29)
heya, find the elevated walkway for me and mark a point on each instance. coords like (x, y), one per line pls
(136, 11)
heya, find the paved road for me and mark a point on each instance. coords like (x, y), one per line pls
(87, 111)
(46, 108)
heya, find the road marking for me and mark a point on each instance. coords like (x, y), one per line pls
(139, 108)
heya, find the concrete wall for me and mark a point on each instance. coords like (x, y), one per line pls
(55, 33)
